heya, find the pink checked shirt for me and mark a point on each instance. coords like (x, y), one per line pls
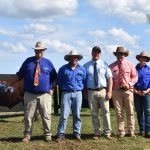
(130, 74)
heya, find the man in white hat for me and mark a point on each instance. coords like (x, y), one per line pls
(39, 76)
(124, 77)
(142, 94)
(71, 79)
(99, 91)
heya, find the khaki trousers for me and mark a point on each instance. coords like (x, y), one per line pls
(96, 101)
(43, 103)
(123, 100)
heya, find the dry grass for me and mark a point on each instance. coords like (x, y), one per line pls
(11, 128)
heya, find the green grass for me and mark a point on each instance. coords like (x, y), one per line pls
(11, 128)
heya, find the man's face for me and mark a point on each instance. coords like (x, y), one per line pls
(120, 56)
(143, 59)
(73, 60)
(39, 53)
(95, 55)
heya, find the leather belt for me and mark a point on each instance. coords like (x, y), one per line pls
(71, 90)
(37, 92)
(97, 89)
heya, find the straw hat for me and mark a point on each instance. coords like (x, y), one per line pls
(39, 46)
(73, 53)
(143, 54)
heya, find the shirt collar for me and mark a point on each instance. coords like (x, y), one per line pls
(37, 60)
(68, 65)
(96, 61)
(138, 66)
(122, 62)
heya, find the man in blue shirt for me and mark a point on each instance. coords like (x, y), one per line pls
(71, 79)
(39, 77)
(142, 94)
(99, 91)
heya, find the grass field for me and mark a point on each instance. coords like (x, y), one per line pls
(11, 127)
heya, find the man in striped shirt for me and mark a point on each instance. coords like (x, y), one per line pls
(124, 77)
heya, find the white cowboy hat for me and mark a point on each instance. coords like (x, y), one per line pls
(39, 46)
(143, 54)
(73, 53)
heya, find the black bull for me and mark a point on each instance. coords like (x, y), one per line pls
(9, 100)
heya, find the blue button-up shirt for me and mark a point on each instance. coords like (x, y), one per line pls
(69, 79)
(143, 82)
(104, 73)
(47, 75)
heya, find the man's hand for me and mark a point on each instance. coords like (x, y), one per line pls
(143, 93)
(108, 95)
(136, 92)
(125, 86)
(51, 92)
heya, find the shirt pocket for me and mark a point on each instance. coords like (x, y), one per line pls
(115, 73)
(147, 76)
(127, 72)
(102, 70)
(79, 76)
(67, 76)
(45, 71)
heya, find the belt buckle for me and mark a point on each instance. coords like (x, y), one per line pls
(121, 88)
(98, 89)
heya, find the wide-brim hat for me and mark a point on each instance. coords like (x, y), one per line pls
(121, 50)
(143, 54)
(73, 53)
(39, 46)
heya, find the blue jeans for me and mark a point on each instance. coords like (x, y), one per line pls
(70, 100)
(142, 107)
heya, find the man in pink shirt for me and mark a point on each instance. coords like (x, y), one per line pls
(124, 77)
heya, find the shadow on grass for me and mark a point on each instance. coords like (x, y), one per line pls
(10, 116)
(11, 139)
(10, 121)
(41, 137)
(71, 136)
(19, 139)
(3, 117)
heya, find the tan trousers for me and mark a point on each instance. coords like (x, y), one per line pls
(123, 100)
(96, 101)
(43, 103)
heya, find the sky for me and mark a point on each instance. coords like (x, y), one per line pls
(65, 25)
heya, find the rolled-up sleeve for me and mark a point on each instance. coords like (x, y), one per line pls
(108, 73)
